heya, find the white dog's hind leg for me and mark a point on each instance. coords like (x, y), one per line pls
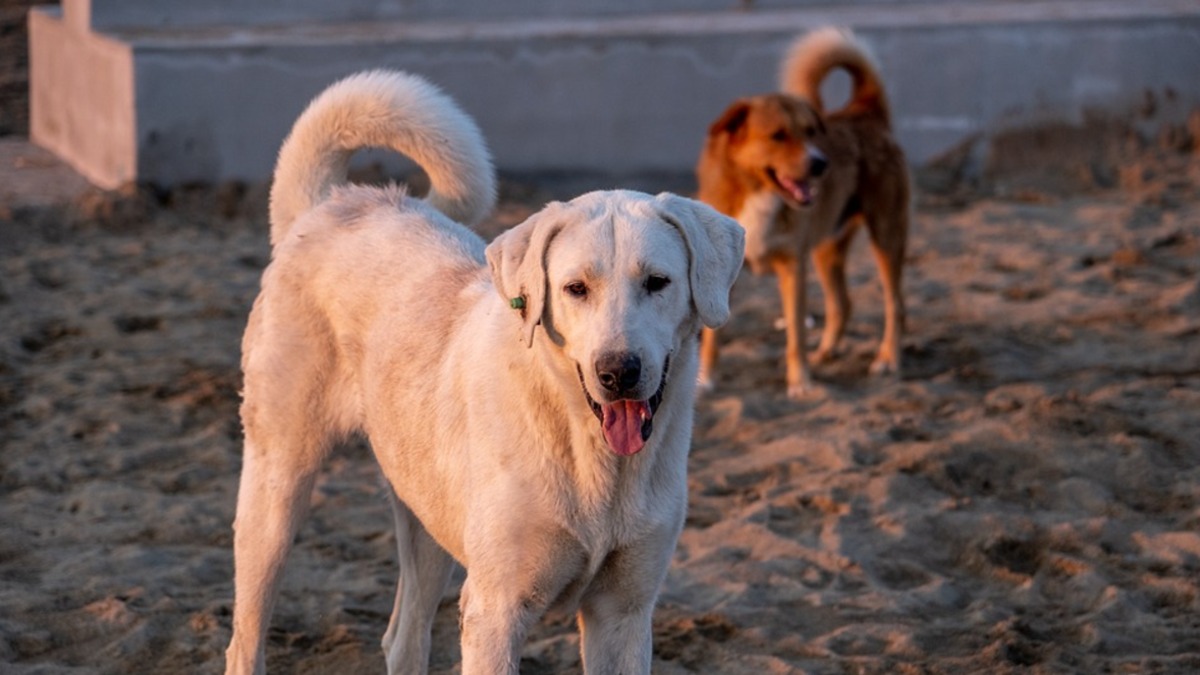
(425, 570)
(273, 498)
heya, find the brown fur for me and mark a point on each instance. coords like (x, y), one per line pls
(801, 182)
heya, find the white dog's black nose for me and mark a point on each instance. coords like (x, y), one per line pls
(619, 372)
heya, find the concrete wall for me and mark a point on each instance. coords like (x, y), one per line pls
(109, 14)
(81, 103)
(633, 92)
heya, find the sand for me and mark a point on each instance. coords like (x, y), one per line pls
(1025, 499)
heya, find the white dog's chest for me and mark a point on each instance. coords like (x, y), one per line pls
(603, 566)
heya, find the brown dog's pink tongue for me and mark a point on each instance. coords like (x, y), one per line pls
(623, 426)
(799, 189)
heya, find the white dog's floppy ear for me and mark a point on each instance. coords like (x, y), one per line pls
(517, 259)
(716, 244)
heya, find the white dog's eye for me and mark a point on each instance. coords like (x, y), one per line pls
(656, 282)
(576, 289)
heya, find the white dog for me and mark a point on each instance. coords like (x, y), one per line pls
(551, 463)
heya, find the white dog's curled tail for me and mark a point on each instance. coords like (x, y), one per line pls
(813, 55)
(388, 109)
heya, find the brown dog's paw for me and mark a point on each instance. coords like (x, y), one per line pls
(885, 367)
(781, 323)
(820, 356)
(806, 391)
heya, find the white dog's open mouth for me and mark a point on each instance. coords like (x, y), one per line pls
(627, 424)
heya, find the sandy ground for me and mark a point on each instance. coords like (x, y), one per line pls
(1025, 499)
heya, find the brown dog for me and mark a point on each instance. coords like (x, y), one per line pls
(800, 181)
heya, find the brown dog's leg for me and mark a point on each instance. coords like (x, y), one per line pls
(791, 273)
(708, 359)
(887, 245)
(829, 257)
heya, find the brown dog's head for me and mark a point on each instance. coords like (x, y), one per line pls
(774, 139)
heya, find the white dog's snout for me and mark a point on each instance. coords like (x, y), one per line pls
(619, 372)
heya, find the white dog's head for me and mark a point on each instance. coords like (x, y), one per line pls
(619, 281)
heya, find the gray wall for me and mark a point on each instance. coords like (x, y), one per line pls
(566, 90)
(142, 13)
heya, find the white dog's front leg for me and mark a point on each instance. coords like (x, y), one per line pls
(616, 615)
(494, 625)
(616, 641)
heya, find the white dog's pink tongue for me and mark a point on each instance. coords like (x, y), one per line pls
(623, 426)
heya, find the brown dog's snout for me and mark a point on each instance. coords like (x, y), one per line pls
(619, 372)
(816, 163)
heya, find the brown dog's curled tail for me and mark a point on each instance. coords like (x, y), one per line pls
(812, 56)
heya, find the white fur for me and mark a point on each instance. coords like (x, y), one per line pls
(383, 109)
(378, 316)
(757, 217)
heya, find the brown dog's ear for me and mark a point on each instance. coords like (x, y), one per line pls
(716, 244)
(517, 259)
(732, 119)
